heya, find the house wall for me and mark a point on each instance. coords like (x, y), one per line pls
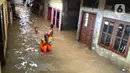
(114, 58)
(52, 3)
(46, 4)
(4, 2)
(56, 4)
(69, 18)
(10, 13)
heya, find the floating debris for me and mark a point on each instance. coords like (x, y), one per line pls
(122, 69)
(22, 58)
(33, 65)
(24, 63)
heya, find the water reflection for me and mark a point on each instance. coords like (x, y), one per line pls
(25, 23)
(29, 49)
(24, 53)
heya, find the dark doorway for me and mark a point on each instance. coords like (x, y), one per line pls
(2, 35)
(57, 19)
(54, 16)
(49, 13)
(87, 28)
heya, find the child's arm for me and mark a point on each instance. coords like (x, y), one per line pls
(49, 41)
(43, 42)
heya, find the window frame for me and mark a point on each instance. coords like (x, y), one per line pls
(113, 36)
(90, 5)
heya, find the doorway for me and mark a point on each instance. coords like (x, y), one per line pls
(54, 16)
(2, 35)
(57, 19)
(49, 13)
(87, 28)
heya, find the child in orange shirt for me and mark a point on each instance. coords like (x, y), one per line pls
(45, 44)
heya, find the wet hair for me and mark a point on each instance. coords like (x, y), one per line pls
(46, 35)
(52, 25)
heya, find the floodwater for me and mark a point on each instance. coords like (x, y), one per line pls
(67, 55)
(23, 53)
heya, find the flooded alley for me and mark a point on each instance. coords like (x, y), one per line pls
(67, 55)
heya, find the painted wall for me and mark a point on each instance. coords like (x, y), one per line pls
(56, 4)
(52, 3)
(4, 2)
(46, 4)
(11, 13)
(6, 23)
(1, 1)
(114, 58)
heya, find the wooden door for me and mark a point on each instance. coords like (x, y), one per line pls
(82, 35)
(49, 13)
(87, 28)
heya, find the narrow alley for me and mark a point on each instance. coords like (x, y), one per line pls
(67, 55)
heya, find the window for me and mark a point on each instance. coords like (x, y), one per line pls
(122, 38)
(91, 3)
(107, 33)
(73, 5)
(110, 4)
(114, 36)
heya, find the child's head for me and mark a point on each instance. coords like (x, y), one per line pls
(52, 26)
(46, 36)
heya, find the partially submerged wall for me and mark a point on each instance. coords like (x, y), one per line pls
(114, 58)
(5, 14)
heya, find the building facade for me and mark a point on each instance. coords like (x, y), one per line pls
(105, 31)
(53, 12)
(62, 13)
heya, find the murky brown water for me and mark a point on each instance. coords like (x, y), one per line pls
(23, 47)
